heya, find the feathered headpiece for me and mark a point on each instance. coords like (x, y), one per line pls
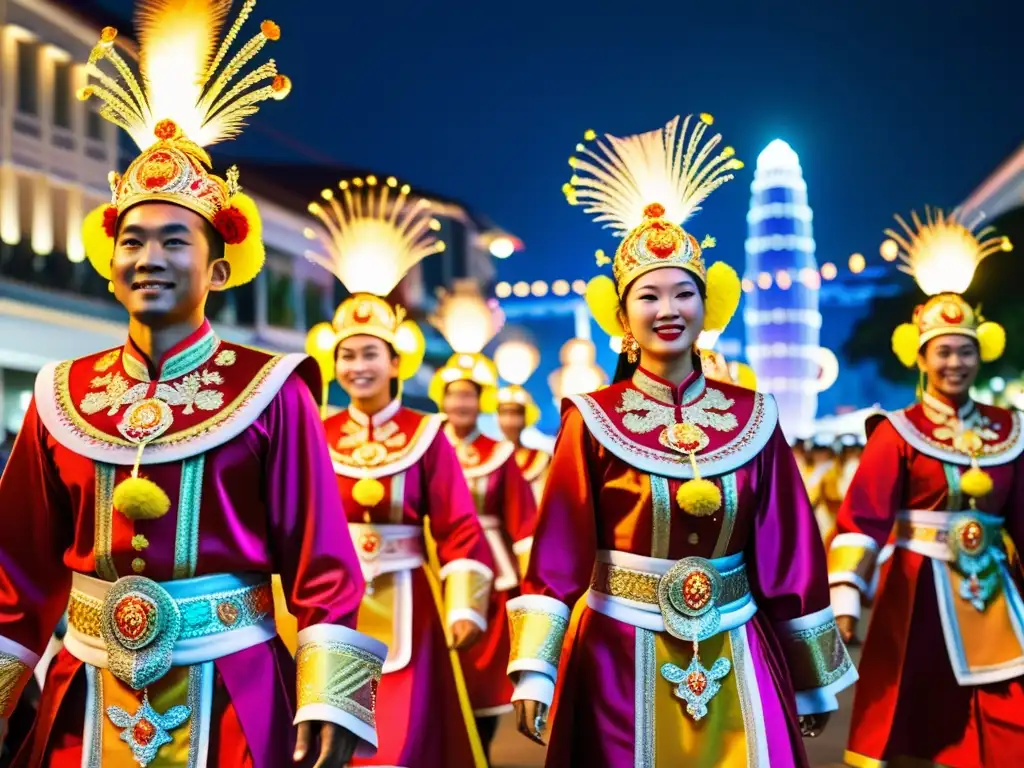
(373, 234)
(941, 253)
(185, 99)
(645, 187)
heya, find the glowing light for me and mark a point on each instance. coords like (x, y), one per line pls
(579, 287)
(539, 288)
(783, 280)
(829, 271)
(764, 281)
(747, 284)
(502, 247)
(579, 372)
(810, 278)
(578, 352)
(828, 368)
(465, 319)
(560, 287)
(516, 360)
(997, 384)
(857, 263)
(521, 289)
(503, 290)
(778, 155)
(889, 249)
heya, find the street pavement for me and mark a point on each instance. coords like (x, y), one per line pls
(511, 750)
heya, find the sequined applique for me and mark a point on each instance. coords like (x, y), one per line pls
(14, 673)
(536, 634)
(697, 685)
(339, 675)
(193, 392)
(107, 361)
(816, 656)
(147, 730)
(225, 358)
(642, 415)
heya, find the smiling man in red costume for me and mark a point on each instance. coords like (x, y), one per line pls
(155, 487)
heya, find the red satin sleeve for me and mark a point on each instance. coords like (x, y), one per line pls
(450, 507)
(565, 540)
(36, 529)
(313, 550)
(519, 507)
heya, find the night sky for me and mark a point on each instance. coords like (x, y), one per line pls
(890, 105)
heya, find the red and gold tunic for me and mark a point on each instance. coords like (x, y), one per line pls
(171, 651)
(422, 703)
(747, 581)
(507, 510)
(943, 660)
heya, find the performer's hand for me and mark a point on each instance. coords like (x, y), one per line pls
(847, 628)
(464, 634)
(811, 726)
(337, 745)
(531, 719)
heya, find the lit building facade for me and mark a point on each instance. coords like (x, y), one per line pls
(781, 316)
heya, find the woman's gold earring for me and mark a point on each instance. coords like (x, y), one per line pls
(630, 347)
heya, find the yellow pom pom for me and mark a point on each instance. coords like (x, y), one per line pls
(488, 400)
(411, 347)
(699, 497)
(976, 483)
(724, 291)
(246, 258)
(368, 492)
(906, 341)
(603, 300)
(139, 499)
(99, 247)
(991, 341)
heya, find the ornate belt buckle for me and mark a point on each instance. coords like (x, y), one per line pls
(140, 624)
(688, 595)
(370, 546)
(971, 547)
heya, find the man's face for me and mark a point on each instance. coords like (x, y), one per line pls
(462, 404)
(512, 420)
(161, 268)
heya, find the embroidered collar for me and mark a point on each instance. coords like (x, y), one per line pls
(665, 392)
(181, 359)
(449, 432)
(383, 416)
(934, 407)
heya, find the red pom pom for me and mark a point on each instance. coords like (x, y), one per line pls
(166, 129)
(110, 221)
(232, 225)
(654, 211)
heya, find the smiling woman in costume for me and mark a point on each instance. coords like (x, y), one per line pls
(707, 637)
(168, 478)
(943, 663)
(396, 471)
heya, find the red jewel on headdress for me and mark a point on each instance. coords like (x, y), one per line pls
(232, 225)
(110, 221)
(166, 129)
(661, 241)
(952, 313)
(654, 211)
(362, 313)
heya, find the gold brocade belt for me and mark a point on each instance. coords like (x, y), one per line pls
(140, 628)
(641, 587)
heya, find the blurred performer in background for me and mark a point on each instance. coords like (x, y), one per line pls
(463, 388)
(820, 480)
(397, 473)
(706, 636)
(943, 661)
(169, 478)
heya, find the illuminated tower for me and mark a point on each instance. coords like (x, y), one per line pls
(782, 318)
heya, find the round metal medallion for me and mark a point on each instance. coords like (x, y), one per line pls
(370, 454)
(687, 595)
(146, 420)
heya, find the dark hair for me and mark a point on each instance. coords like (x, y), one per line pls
(477, 387)
(394, 385)
(624, 369)
(213, 238)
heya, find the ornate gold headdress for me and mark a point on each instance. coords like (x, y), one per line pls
(374, 233)
(644, 187)
(941, 253)
(183, 101)
(468, 324)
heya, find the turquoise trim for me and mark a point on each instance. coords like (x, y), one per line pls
(189, 359)
(661, 516)
(731, 497)
(955, 498)
(190, 498)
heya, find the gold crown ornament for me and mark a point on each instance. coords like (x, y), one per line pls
(942, 253)
(373, 233)
(468, 323)
(645, 187)
(185, 99)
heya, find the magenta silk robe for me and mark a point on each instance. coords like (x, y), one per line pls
(263, 501)
(612, 488)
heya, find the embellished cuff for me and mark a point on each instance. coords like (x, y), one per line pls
(537, 626)
(819, 665)
(339, 670)
(16, 665)
(467, 592)
(851, 560)
(845, 600)
(534, 686)
(522, 552)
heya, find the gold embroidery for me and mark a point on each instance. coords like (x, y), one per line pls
(225, 358)
(949, 427)
(340, 675)
(536, 634)
(189, 392)
(642, 415)
(816, 656)
(116, 394)
(350, 449)
(467, 590)
(13, 676)
(107, 361)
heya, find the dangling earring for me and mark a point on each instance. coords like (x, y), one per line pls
(630, 347)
